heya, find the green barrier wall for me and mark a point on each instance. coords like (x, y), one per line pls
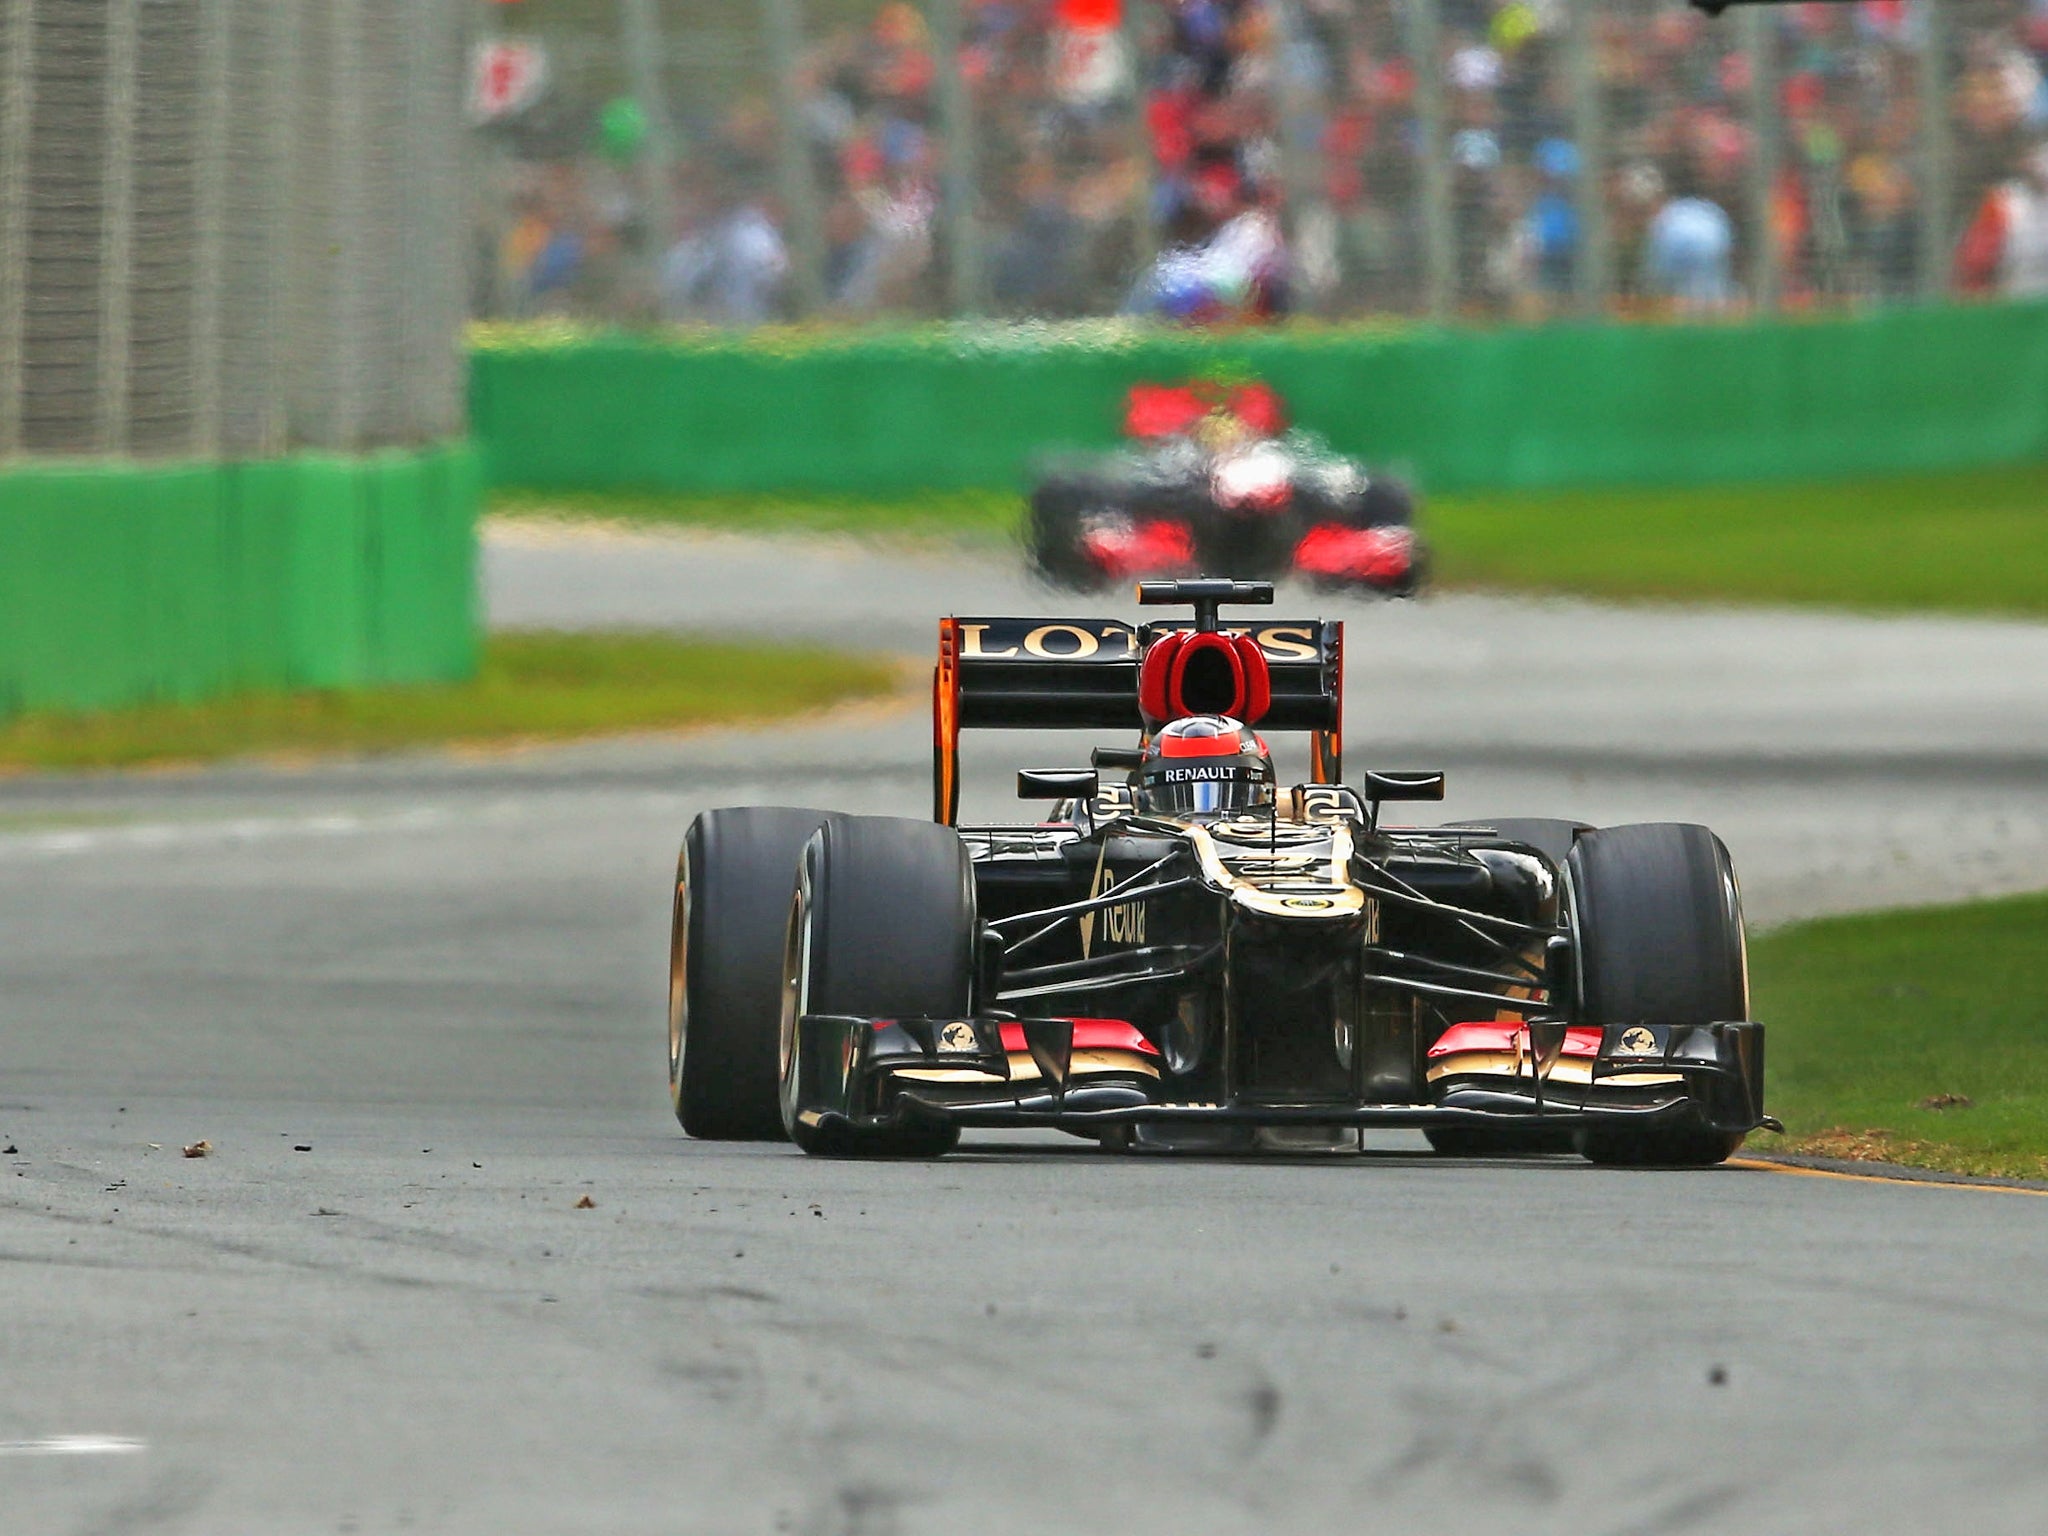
(1905, 389)
(124, 583)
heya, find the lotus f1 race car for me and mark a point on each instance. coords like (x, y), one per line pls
(1213, 479)
(1186, 956)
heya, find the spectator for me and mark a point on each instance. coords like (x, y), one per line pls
(1239, 272)
(1689, 254)
(730, 274)
(1308, 112)
(1547, 247)
(2005, 249)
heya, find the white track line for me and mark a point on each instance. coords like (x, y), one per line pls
(73, 1445)
(59, 844)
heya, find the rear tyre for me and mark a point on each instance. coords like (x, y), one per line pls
(1387, 503)
(733, 880)
(882, 926)
(1052, 531)
(1659, 922)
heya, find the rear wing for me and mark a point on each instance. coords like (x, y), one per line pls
(1082, 674)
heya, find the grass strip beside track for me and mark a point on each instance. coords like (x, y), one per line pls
(1917, 1037)
(1973, 541)
(1968, 542)
(531, 686)
(971, 517)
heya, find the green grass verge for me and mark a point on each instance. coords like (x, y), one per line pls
(970, 517)
(530, 686)
(1876, 1022)
(1974, 541)
(1968, 542)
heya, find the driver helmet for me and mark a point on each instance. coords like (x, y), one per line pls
(1204, 764)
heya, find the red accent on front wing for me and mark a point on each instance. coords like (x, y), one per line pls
(1090, 1035)
(1378, 556)
(1580, 1040)
(1157, 548)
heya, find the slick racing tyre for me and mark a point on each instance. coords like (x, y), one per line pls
(1660, 938)
(882, 926)
(733, 881)
(1387, 503)
(1052, 531)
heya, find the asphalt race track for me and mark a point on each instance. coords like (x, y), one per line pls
(414, 1006)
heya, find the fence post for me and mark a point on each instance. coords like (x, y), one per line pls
(1937, 151)
(415, 301)
(1439, 234)
(349, 215)
(1765, 278)
(956, 134)
(1593, 273)
(210, 257)
(796, 177)
(117, 228)
(646, 65)
(1300, 111)
(281, 120)
(1144, 237)
(17, 112)
(443, 409)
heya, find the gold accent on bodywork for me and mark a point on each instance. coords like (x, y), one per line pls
(1567, 1069)
(1094, 890)
(1291, 875)
(1025, 1070)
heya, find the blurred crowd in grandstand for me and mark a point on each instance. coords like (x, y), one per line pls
(1274, 149)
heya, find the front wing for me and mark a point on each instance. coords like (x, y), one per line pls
(884, 1075)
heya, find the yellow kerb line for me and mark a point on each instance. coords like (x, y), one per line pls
(1758, 1165)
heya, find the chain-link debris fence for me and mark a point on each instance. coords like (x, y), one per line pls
(735, 161)
(230, 228)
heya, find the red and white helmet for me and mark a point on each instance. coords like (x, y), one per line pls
(1204, 764)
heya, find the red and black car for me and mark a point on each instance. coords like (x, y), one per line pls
(1215, 478)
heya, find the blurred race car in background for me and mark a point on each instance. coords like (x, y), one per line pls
(1214, 478)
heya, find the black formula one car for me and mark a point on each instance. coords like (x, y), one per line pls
(1186, 956)
(1214, 479)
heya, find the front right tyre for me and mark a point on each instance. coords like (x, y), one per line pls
(881, 926)
(1052, 531)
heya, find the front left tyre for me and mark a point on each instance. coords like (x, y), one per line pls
(1660, 938)
(733, 880)
(882, 925)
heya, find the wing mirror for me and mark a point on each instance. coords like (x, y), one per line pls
(1118, 757)
(1056, 784)
(1403, 786)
